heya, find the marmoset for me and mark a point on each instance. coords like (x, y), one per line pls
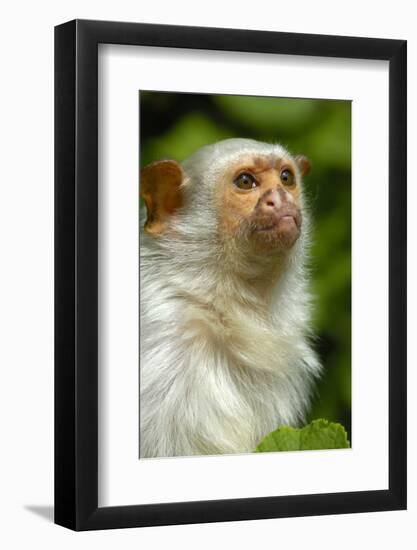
(226, 354)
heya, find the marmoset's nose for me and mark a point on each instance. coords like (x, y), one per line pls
(271, 200)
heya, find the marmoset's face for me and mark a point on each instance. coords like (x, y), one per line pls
(259, 200)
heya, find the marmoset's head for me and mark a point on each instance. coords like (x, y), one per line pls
(237, 189)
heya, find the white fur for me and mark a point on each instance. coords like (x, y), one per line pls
(221, 364)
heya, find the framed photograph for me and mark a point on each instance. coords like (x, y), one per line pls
(230, 284)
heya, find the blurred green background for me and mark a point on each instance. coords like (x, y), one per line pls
(174, 125)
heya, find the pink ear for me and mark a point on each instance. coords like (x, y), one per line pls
(159, 188)
(303, 164)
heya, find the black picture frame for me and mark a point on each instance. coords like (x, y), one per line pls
(76, 272)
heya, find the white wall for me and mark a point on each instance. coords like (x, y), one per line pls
(26, 289)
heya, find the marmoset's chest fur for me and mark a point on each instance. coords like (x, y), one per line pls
(217, 374)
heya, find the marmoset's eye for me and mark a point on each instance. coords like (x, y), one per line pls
(245, 181)
(287, 178)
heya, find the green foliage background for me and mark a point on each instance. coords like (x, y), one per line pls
(174, 125)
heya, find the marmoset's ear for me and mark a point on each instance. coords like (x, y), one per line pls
(159, 188)
(303, 164)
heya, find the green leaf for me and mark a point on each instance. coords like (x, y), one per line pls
(320, 434)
